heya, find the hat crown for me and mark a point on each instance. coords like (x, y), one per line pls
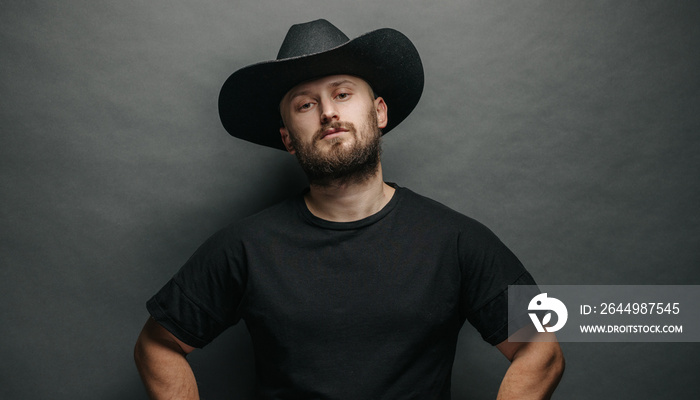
(311, 38)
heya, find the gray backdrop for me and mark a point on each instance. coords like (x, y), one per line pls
(571, 128)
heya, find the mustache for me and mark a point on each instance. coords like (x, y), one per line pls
(349, 126)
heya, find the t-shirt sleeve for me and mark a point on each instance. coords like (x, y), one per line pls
(488, 267)
(204, 296)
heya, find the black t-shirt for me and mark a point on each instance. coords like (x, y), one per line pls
(367, 309)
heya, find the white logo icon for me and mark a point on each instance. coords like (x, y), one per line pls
(543, 303)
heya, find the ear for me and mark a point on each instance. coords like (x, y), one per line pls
(286, 140)
(382, 114)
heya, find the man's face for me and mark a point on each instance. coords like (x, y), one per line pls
(332, 126)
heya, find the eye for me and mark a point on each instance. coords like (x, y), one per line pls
(342, 96)
(305, 106)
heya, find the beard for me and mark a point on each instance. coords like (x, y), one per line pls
(341, 164)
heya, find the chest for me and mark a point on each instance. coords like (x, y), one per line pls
(349, 284)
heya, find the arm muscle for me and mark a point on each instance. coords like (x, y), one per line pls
(535, 371)
(160, 359)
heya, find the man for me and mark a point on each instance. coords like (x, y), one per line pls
(355, 289)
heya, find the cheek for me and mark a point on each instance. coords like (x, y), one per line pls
(304, 122)
(299, 133)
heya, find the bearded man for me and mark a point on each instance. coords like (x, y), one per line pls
(356, 288)
(335, 153)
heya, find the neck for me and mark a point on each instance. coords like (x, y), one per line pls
(346, 201)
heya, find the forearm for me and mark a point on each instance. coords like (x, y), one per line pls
(534, 373)
(164, 369)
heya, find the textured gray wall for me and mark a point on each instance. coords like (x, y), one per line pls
(571, 128)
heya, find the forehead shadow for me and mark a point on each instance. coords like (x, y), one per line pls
(334, 81)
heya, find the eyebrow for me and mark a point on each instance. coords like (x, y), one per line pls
(333, 84)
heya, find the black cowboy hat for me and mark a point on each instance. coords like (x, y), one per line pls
(385, 58)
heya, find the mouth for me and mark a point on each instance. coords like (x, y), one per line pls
(332, 132)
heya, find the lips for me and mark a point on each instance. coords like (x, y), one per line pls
(332, 132)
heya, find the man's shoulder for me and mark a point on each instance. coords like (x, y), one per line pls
(279, 214)
(425, 210)
(429, 207)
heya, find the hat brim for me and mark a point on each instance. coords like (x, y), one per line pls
(385, 58)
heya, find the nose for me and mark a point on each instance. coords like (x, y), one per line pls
(328, 111)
